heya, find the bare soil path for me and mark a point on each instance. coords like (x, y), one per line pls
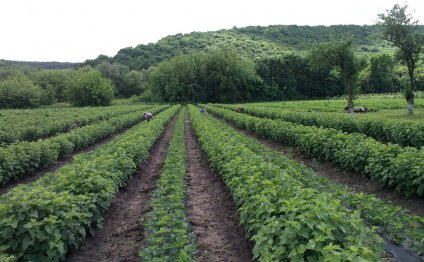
(122, 235)
(211, 210)
(355, 181)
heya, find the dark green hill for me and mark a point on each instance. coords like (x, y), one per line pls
(144, 56)
(43, 65)
(303, 37)
(252, 41)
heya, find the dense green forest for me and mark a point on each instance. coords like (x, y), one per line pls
(43, 65)
(252, 41)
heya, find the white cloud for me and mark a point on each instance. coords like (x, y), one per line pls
(75, 30)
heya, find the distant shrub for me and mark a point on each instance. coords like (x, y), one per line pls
(19, 92)
(89, 88)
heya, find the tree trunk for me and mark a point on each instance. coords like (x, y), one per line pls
(411, 104)
(350, 106)
(410, 93)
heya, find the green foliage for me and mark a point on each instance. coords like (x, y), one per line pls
(134, 83)
(89, 88)
(53, 79)
(400, 132)
(357, 152)
(25, 158)
(284, 219)
(220, 75)
(43, 220)
(337, 105)
(286, 77)
(114, 72)
(33, 124)
(392, 221)
(400, 30)
(378, 76)
(339, 57)
(168, 233)
(145, 56)
(19, 91)
(252, 42)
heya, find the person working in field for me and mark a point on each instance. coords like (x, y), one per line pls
(240, 109)
(148, 116)
(202, 110)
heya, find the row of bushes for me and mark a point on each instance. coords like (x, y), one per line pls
(392, 221)
(41, 221)
(30, 125)
(284, 219)
(404, 133)
(168, 233)
(392, 165)
(25, 158)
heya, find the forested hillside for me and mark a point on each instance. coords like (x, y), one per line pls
(43, 65)
(252, 41)
(144, 56)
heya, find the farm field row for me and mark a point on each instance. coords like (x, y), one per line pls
(32, 124)
(25, 158)
(392, 165)
(392, 221)
(41, 221)
(287, 211)
(169, 236)
(338, 105)
(402, 132)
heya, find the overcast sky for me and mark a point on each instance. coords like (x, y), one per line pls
(75, 30)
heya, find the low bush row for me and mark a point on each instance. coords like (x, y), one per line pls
(41, 221)
(399, 167)
(286, 220)
(394, 222)
(25, 158)
(404, 133)
(168, 233)
(32, 124)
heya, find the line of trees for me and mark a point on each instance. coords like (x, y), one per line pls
(329, 69)
(26, 87)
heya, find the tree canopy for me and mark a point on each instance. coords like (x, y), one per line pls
(217, 76)
(400, 29)
(89, 88)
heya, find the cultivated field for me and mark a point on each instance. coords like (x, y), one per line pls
(280, 181)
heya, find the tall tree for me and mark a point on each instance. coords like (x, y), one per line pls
(399, 29)
(89, 88)
(339, 56)
(378, 76)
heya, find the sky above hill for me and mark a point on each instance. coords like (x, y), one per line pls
(76, 30)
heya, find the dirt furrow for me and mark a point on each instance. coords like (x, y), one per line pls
(121, 237)
(212, 211)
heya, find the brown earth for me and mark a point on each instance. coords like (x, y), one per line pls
(211, 209)
(122, 235)
(354, 181)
